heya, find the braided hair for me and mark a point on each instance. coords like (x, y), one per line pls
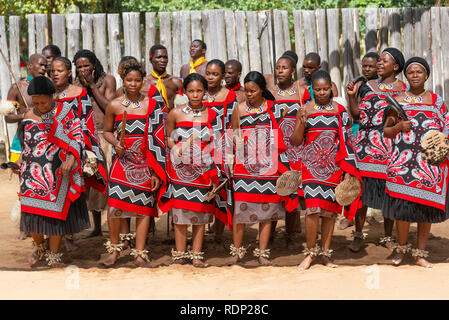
(98, 68)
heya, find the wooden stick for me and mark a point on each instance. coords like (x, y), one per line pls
(122, 132)
(273, 43)
(187, 143)
(13, 76)
(212, 193)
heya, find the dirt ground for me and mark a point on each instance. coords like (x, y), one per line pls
(364, 275)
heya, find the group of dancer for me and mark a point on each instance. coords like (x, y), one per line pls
(204, 147)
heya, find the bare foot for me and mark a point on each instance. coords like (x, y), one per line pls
(94, 233)
(110, 259)
(372, 221)
(264, 261)
(197, 263)
(55, 265)
(423, 263)
(345, 223)
(70, 244)
(179, 261)
(398, 258)
(305, 264)
(34, 258)
(140, 263)
(391, 245)
(23, 235)
(328, 263)
(232, 260)
(355, 245)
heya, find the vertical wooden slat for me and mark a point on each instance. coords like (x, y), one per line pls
(100, 38)
(14, 45)
(220, 35)
(310, 30)
(334, 46)
(322, 38)
(87, 30)
(427, 44)
(299, 40)
(383, 29)
(231, 30)
(114, 45)
(185, 36)
(265, 45)
(418, 45)
(5, 79)
(242, 44)
(41, 32)
(31, 34)
(207, 33)
(371, 18)
(177, 60)
(166, 39)
(444, 16)
(348, 36)
(195, 17)
(150, 38)
(279, 32)
(254, 46)
(436, 50)
(408, 33)
(356, 43)
(131, 30)
(59, 32)
(286, 28)
(394, 24)
(73, 34)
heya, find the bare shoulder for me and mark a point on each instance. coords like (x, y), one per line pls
(109, 80)
(176, 81)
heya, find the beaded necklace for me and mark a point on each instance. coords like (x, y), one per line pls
(386, 86)
(258, 109)
(328, 107)
(414, 99)
(134, 104)
(61, 95)
(195, 112)
(289, 91)
(210, 98)
(46, 116)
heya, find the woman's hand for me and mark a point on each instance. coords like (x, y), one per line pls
(119, 149)
(155, 182)
(405, 126)
(67, 165)
(351, 89)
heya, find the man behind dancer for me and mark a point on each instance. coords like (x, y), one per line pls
(310, 65)
(233, 72)
(50, 52)
(198, 62)
(168, 85)
(101, 88)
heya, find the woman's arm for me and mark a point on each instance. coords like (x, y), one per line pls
(300, 124)
(391, 128)
(109, 129)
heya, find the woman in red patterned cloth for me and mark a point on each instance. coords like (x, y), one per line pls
(323, 127)
(287, 93)
(136, 171)
(78, 99)
(191, 129)
(372, 148)
(222, 100)
(416, 190)
(51, 181)
(258, 143)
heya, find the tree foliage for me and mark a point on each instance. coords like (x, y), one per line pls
(24, 7)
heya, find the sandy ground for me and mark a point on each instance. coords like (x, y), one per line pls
(365, 275)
